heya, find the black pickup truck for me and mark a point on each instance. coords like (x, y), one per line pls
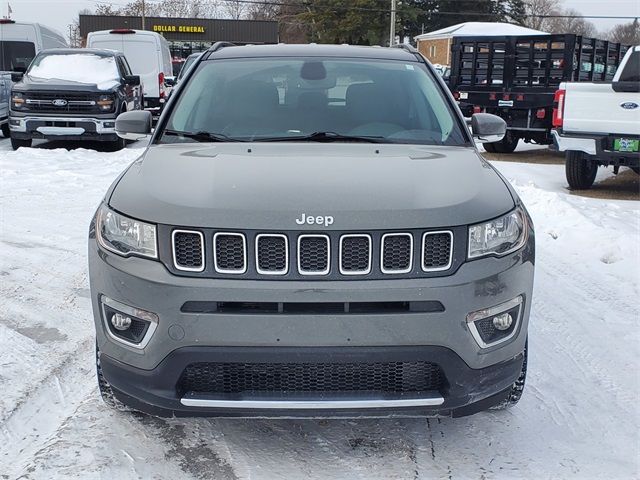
(516, 77)
(73, 94)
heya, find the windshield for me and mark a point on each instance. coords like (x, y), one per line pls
(275, 99)
(16, 55)
(77, 67)
(187, 63)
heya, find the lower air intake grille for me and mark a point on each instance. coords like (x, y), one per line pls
(388, 377)
(230, 253)
(437, 251)
(188, 250)
(313, 254)
(397, 252)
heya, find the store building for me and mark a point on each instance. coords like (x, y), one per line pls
(187, 35)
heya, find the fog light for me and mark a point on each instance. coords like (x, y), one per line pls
(120, 322)
(502, 321)
(497, 324)
(109, 124)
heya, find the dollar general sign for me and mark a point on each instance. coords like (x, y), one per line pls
(179, 28)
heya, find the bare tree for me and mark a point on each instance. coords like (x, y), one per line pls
(234, 9)
(540, 7)
(626, 33)
(571, 23)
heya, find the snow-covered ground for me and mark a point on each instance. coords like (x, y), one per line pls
(579, 417)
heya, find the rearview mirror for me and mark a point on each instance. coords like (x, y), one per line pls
(134, 125)
(131, 80)
(488, 128)
(17, 77)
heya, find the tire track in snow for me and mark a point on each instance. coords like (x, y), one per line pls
(39, 416)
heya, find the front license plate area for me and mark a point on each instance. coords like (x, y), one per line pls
(626, 145)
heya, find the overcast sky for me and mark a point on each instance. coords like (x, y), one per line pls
(60, 13)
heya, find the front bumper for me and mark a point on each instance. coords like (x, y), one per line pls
(145, 378)
(62, 128)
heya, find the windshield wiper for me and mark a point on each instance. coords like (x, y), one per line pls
(324, 137)
(202, 136)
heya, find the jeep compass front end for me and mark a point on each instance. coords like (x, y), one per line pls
(311, 232)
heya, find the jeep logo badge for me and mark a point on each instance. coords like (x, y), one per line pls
(629, 105)
(59, 102)
(323, 220)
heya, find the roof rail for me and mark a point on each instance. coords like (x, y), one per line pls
(405, 46)
(220, 45)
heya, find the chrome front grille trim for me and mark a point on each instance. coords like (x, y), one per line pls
(340, 255)
(314, 272)
(424, 246)
(286, 258)
(238, 271)
(382, 250)
(200, 268)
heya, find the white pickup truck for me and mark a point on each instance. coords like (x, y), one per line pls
(599, 123)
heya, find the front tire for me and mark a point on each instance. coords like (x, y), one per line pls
(508, 144)
(16, 143)
(489, 147)
(580, 171)
(515, 392)
(6, 131)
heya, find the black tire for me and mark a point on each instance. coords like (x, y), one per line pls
(580, 171)
(106, 392)
(6, 131)
(489, 147)
(508, 144)
(16, 143)
(116, 145)
(515, 393)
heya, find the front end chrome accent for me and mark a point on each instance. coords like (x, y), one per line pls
(234, 271)
(152, 318)
(173, 251)
(493, 311)
(424, 244)
(356, 272)
(314, 272)
(286, 249)
(382, 249)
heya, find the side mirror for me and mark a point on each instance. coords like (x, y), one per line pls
(134, 125)
(488, 128)
(170, 81)
(17, 77)
(133, 80)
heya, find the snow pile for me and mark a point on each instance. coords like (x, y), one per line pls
(82, 68)
(472, 29)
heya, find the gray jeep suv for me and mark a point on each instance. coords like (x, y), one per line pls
(311, 232)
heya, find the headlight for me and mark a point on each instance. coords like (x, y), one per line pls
(500, 236)
(17, 100)
(105, 103)
(125, 236)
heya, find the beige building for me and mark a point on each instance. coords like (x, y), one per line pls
(436, 46)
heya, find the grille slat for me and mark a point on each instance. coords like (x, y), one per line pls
(230, 252)
(379, 377)
(313, 254)
(397, 253)
(272, 254)
(437, 250)
(188, 250)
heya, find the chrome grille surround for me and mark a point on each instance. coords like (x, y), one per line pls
(173, 251)
(341, 256)
(326, 271)
(383, 249)
(424, 247)
(237, 271)
(286, 257)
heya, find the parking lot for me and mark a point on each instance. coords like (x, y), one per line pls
(579, 416)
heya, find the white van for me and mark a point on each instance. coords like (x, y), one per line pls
(20, 42)
(148, 55)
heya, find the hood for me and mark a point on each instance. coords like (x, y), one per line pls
(29, 83)
(268, 186)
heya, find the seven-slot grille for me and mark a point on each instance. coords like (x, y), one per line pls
(312, 254)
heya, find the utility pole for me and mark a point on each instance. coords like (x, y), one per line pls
(143, 12)
(392, 30)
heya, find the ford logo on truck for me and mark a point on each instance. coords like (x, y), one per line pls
(59, 102)
(629, 105)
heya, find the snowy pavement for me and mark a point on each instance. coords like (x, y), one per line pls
(579, 416)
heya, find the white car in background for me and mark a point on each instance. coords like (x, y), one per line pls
(148, 55)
